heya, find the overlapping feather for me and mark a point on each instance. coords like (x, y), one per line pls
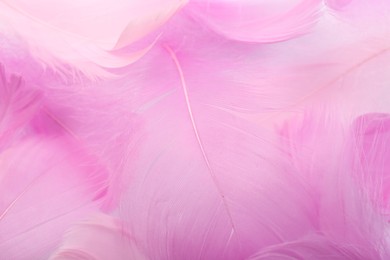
(45, 186)
(92, 238)
(18, 105)
(84, 35)
(211, 144)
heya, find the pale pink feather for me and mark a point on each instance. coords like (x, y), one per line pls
(345, 69)
(100, 238)
(320, 149)
(45, 186)
(214, 146)
(310, 247)
(18, 105)
(199, 167)
(370, 145)
(190, 174)
(99, 119)
(85, 34)
(257, 21)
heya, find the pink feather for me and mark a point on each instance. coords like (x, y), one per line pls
(257, 21)
(371, 138)
(46, 185)
(101, 237)
(84, 34)
(310, 247)
(18, 105)
(231, 130)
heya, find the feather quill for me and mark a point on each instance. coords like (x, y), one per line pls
(198, 202)
(210, 144)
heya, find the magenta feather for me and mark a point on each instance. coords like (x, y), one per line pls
(194, 129)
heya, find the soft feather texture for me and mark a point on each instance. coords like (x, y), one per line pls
(320, 149)
(344, 69)
(18, 105)
(84, 34)
(45, 186)
(371, 137)
(101, 237)
(311, 247)
(257, 21)
(242, 130)
(97, 119)
(219, 166)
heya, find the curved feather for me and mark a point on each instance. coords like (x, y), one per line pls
(363, 15)
(45, 186)
(257, 21)
(370, 139)
(338, 4)
(101, 237)
(84, 34)
(98, 117)
(196, 166)
(206, 182)
(345, 69)
(311, 247)
(320, 149)
(18, 105)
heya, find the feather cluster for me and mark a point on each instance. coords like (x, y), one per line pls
(194, 129)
